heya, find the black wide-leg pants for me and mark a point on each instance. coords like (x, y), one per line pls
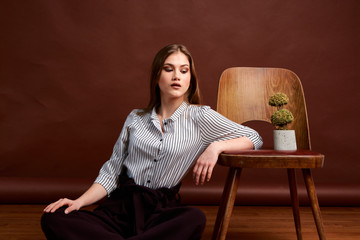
(131, 212)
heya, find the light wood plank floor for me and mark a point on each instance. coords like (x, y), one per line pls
(21, 222)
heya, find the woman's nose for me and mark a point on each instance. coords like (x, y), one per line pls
(176, 76)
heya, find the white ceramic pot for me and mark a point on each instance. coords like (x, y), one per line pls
(284, 140)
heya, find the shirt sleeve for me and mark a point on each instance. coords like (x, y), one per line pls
(216, 127)
(110, 171)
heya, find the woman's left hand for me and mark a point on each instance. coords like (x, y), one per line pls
(205, 164)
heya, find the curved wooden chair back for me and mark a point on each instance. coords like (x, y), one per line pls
(244, 93)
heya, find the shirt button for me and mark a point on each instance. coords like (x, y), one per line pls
(148, 181)
(165, 123)
(160, 139)
(155, 160)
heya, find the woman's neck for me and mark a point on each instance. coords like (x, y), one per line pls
(167, 108)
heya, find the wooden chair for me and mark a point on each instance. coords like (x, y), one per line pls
(243, 96)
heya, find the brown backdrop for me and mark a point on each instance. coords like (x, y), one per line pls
(71, 71)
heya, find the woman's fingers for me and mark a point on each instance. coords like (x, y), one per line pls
(50, 206)
(196, 173)
(73, 206)
(205, 164)
(69, 210)
(202, 173)
(58, 204)
(209, 172)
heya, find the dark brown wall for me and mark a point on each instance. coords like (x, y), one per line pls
(71, 71)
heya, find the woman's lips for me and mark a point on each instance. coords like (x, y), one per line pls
(176, 85)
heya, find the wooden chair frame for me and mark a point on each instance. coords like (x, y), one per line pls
(248, 89)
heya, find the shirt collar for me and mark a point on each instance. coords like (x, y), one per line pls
(175, 115)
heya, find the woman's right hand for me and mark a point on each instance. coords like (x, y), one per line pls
(72, 205)
(92, 195)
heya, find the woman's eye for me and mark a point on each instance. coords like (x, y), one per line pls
(167, 69)
(184, 71)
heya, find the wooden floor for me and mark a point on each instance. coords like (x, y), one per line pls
(250, 223)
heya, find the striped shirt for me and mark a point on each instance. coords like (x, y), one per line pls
(156, 159)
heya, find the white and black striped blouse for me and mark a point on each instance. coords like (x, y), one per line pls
(158, 159)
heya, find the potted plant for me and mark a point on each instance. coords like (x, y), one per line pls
(284, 139)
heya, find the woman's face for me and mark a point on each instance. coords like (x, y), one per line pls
(175, 77)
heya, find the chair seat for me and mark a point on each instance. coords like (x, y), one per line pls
(272, 159)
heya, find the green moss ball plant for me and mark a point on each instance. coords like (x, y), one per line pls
(282, 116)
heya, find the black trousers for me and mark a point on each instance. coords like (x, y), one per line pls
(131, 212)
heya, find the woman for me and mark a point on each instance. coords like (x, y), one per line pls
(156, 148)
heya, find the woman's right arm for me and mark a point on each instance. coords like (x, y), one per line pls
(106, 181)
(92, 195)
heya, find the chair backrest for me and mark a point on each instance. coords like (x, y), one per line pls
(244, 93)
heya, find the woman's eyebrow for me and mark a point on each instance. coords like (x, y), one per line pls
(183, 65)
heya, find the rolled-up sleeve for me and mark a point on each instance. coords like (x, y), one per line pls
(109, 172)
(216, 127)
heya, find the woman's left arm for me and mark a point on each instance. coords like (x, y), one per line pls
(220, 134)
(206, 162)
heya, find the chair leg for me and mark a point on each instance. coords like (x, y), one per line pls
(227, 204)
(310, 187)
(294, 201)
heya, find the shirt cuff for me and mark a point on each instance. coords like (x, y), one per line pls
(107, 182)
(256, 140)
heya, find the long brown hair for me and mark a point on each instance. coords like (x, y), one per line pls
(193, 93)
